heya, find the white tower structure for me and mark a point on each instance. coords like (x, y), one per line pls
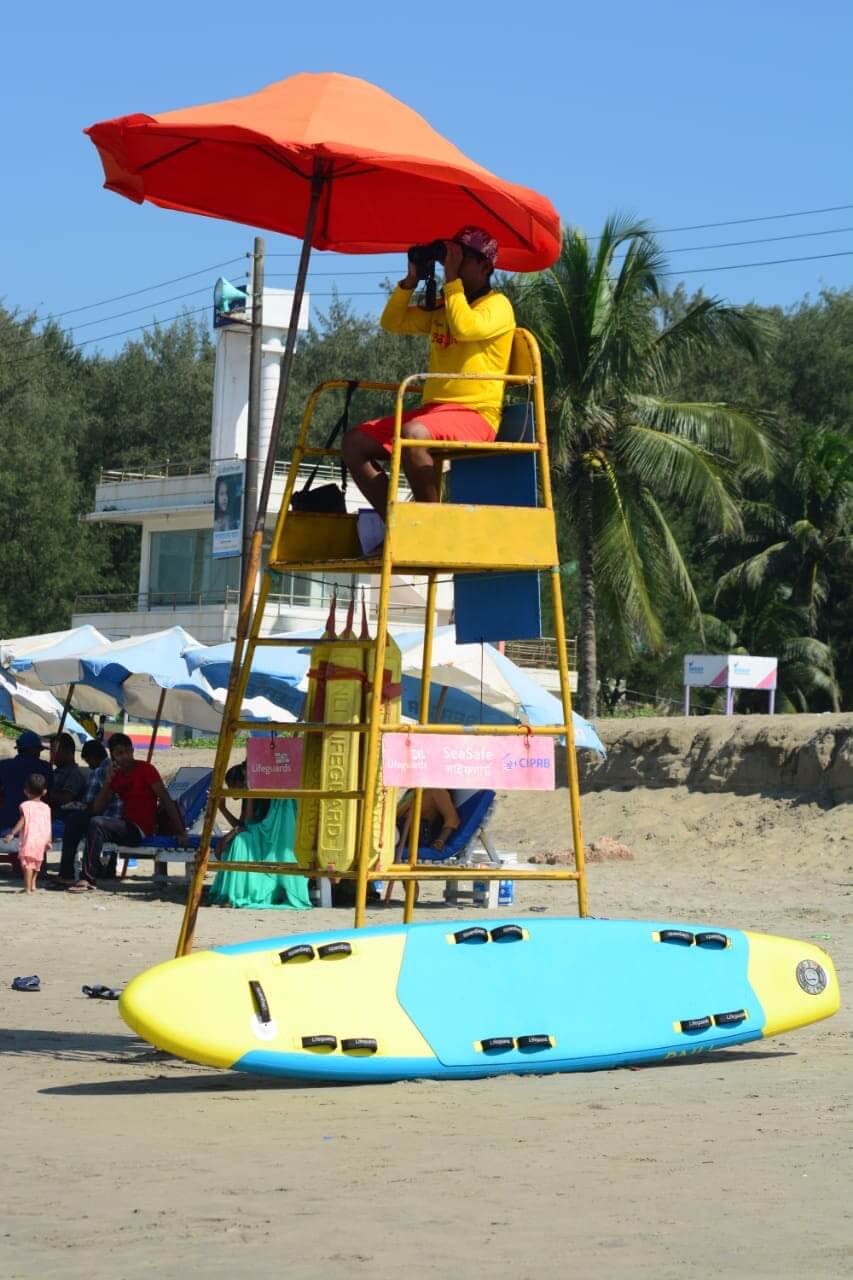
(231, 375)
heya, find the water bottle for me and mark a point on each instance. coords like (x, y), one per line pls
(480, 891)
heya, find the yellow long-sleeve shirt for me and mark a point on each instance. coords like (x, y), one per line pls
(464, 338)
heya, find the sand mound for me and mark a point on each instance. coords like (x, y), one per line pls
(771, 755)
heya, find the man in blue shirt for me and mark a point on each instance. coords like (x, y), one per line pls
(13, 775)
(76, 817)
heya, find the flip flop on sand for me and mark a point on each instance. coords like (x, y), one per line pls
(101, 993)
(32, 983)
(82, 886)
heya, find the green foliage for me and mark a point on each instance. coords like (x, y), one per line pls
(210, 744)
(784, 580)
(64, 416)
(346, 345)
(47, 551)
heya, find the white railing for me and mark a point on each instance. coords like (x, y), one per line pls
(541, 653)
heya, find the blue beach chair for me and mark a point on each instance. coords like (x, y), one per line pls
(475, 812)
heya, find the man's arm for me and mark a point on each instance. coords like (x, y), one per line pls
(102, 799)
(476, 324)
(179, 829)
(399, 317)
(222, 808)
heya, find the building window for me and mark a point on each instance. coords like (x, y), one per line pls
(311, 590)
(183, 570)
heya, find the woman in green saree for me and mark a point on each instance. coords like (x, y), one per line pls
(265, 833)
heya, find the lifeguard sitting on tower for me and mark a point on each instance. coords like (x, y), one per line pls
(470, 331)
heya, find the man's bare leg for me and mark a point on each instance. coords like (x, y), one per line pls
(362, 455)
(423, 470)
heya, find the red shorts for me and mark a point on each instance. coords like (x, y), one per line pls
(443, 421)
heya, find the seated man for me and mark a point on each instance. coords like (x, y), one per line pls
(13, 774)
(439, 819)
(69, 780)
(139, 787)
(470, 331)
(77, 813)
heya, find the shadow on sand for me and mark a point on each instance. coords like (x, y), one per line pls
(129, 1051)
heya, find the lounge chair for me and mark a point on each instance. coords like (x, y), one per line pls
(461, 850)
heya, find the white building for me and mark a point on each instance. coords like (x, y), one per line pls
(180, 582)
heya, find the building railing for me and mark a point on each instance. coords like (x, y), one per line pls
(328, 470)
(541, 653)
(136, 602)
(229, 597)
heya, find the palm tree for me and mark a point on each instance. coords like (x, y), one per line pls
(795, 549)
(620, 449)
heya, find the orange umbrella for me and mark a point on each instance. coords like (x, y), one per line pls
(386, 178)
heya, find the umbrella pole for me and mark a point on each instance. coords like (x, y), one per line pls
(66, 707)
(157, 719)
(250, 575)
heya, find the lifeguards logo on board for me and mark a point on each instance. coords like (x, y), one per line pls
(811, 977)
(439, 337)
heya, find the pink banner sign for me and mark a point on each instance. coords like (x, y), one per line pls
(273, 762)
(453, 760)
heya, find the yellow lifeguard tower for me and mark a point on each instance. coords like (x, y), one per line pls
(422, 538)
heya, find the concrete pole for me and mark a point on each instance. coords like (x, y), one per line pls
(253, 427)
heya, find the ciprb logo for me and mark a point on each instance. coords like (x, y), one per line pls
(812, 977)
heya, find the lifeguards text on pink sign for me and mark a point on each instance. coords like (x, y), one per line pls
(454, 760)
(273, 762)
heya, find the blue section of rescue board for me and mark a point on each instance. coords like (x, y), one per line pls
(603, 993)
(377, 1069)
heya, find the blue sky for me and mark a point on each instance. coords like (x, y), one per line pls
(680, 113)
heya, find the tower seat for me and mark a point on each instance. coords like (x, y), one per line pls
(424, 536)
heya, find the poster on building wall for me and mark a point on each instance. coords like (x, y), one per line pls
(228, 509)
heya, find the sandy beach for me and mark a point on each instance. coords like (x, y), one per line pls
(122, 1162)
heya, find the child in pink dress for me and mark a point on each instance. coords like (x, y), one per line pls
(33, 826)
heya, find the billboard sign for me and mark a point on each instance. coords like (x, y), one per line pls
(703, 670)
(729, 671)
(228, 509)
(465, 762)
(746, 672)
(273, 762)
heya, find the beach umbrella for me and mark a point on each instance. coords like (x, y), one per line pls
(379, 177)
(99, 675)
(61, 649)
(34, 709)
(190, 701)
(470, 684)
(145, 676)
(483, 676)
(21, 653)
